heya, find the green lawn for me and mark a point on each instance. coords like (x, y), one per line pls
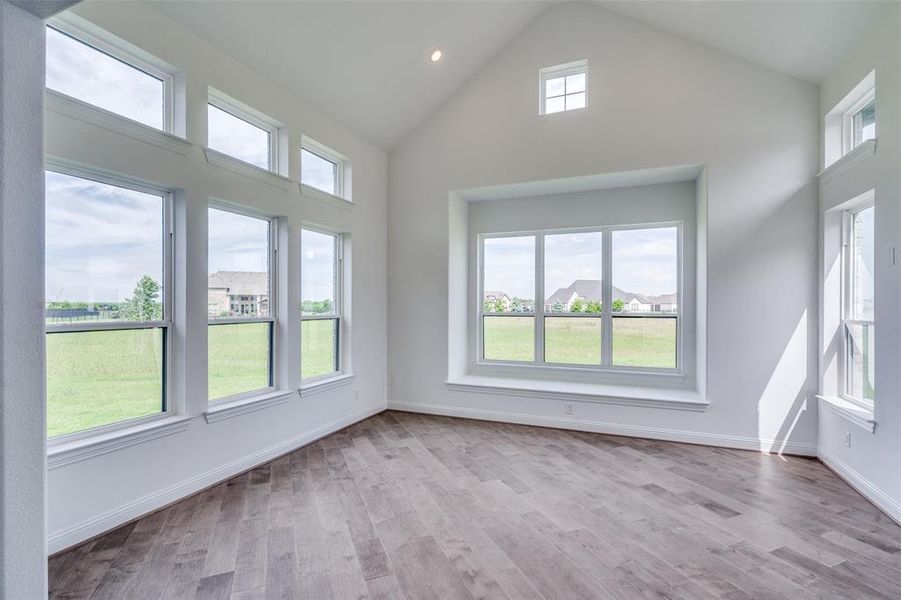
(577, 340)
(317, 347)
(238, 358)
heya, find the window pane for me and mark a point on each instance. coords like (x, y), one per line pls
(645, 270)
(862, 267)
(318, 347)
(553, 105)
(861, 368)
(238, 358)
(104, 252)
(509, 274)
(509, 338)
(96, 378)
(318, 172)
(575, 83)
(236, 137)
(85, 73)
(574, 101)
(555, 86)
(572, 272)
(865, 123)
(648, 342)
(572, 340)
(238, 263)
(318, 268)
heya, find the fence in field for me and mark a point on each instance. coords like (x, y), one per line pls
(66, 315)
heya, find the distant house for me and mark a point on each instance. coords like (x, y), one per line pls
(494, 296)
(238, 294)
(590, 289)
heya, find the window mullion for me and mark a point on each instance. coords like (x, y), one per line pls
(607, 297)
(539, 299)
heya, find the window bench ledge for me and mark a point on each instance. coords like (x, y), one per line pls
(236, 165)
(324, 385)
(860, 416)
(848, 161)
(82, 449)
(624, 395)
(234, 408)
(324, 197)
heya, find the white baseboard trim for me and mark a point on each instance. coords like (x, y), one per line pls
(657, 433)
(864, 486)
(71, 536)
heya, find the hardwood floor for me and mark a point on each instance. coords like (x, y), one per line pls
(419, 507)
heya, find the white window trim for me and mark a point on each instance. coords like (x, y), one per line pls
(848, 120)
(868, 201)
(86, 32)
(167, 324)
(481, 365)
(260, 394)
(342, 171)
(564, 70)
(250, 115)
(339, 374)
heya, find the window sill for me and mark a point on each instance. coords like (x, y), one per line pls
(849, 160)
(77, 450)
(234, 165)
(93, 115)
(323, 385)
(860, 416)
(242, 406)
(332, 200)
(623, 395)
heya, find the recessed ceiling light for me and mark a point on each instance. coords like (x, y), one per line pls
(435, 54)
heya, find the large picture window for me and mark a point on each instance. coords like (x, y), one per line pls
(320, 293)
(240, 304)
(610, 298)
(858, 309)
(107, 303)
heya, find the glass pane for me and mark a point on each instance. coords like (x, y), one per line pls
(555, 86)
(645, 270)
(238, 263)
(317, 273)
(236, 137)
(649, 342)
(238, 358)
(509, 338)
(861, 366)
(863, 264)
(509, 274)
(96, 378)
(575, 83)
(318, 172)
(318, 347)
(103, 252)
(572, 272)
(574, 101)
(865, 123)
(572, 340)
(92, 76)
(553, 105)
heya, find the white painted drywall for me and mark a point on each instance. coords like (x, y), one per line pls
(873, 460)
(654, 100)
(88, 497)
(23, 565)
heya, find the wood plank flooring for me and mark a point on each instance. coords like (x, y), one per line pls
(422, 507)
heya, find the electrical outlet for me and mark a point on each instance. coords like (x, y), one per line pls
(847, 439)
(568, 409)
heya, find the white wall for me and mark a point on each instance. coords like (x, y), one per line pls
(88, 497)
(23, 567)
(873, 461)
(654, 100)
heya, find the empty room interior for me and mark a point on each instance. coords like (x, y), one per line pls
(412, 300)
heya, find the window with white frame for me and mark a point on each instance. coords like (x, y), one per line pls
(609, 298)
(108, 302)
(322, 168)
(237, 131)
(858, 305)
(862, 122)
(88, 69)
(321, 304)
(240, 303)
(564, 87)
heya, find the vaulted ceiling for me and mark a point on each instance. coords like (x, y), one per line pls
(365, 63)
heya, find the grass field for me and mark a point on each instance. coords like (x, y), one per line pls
(238, 358)
(317, 348)
(577, 340)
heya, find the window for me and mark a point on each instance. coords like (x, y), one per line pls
(322, 168)
(234, 130)
(320, 293)
(610, 298)
(564, 87)
(863, 124)
(240, 304)
(108, 79)
(108, 317)
(858, 315)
